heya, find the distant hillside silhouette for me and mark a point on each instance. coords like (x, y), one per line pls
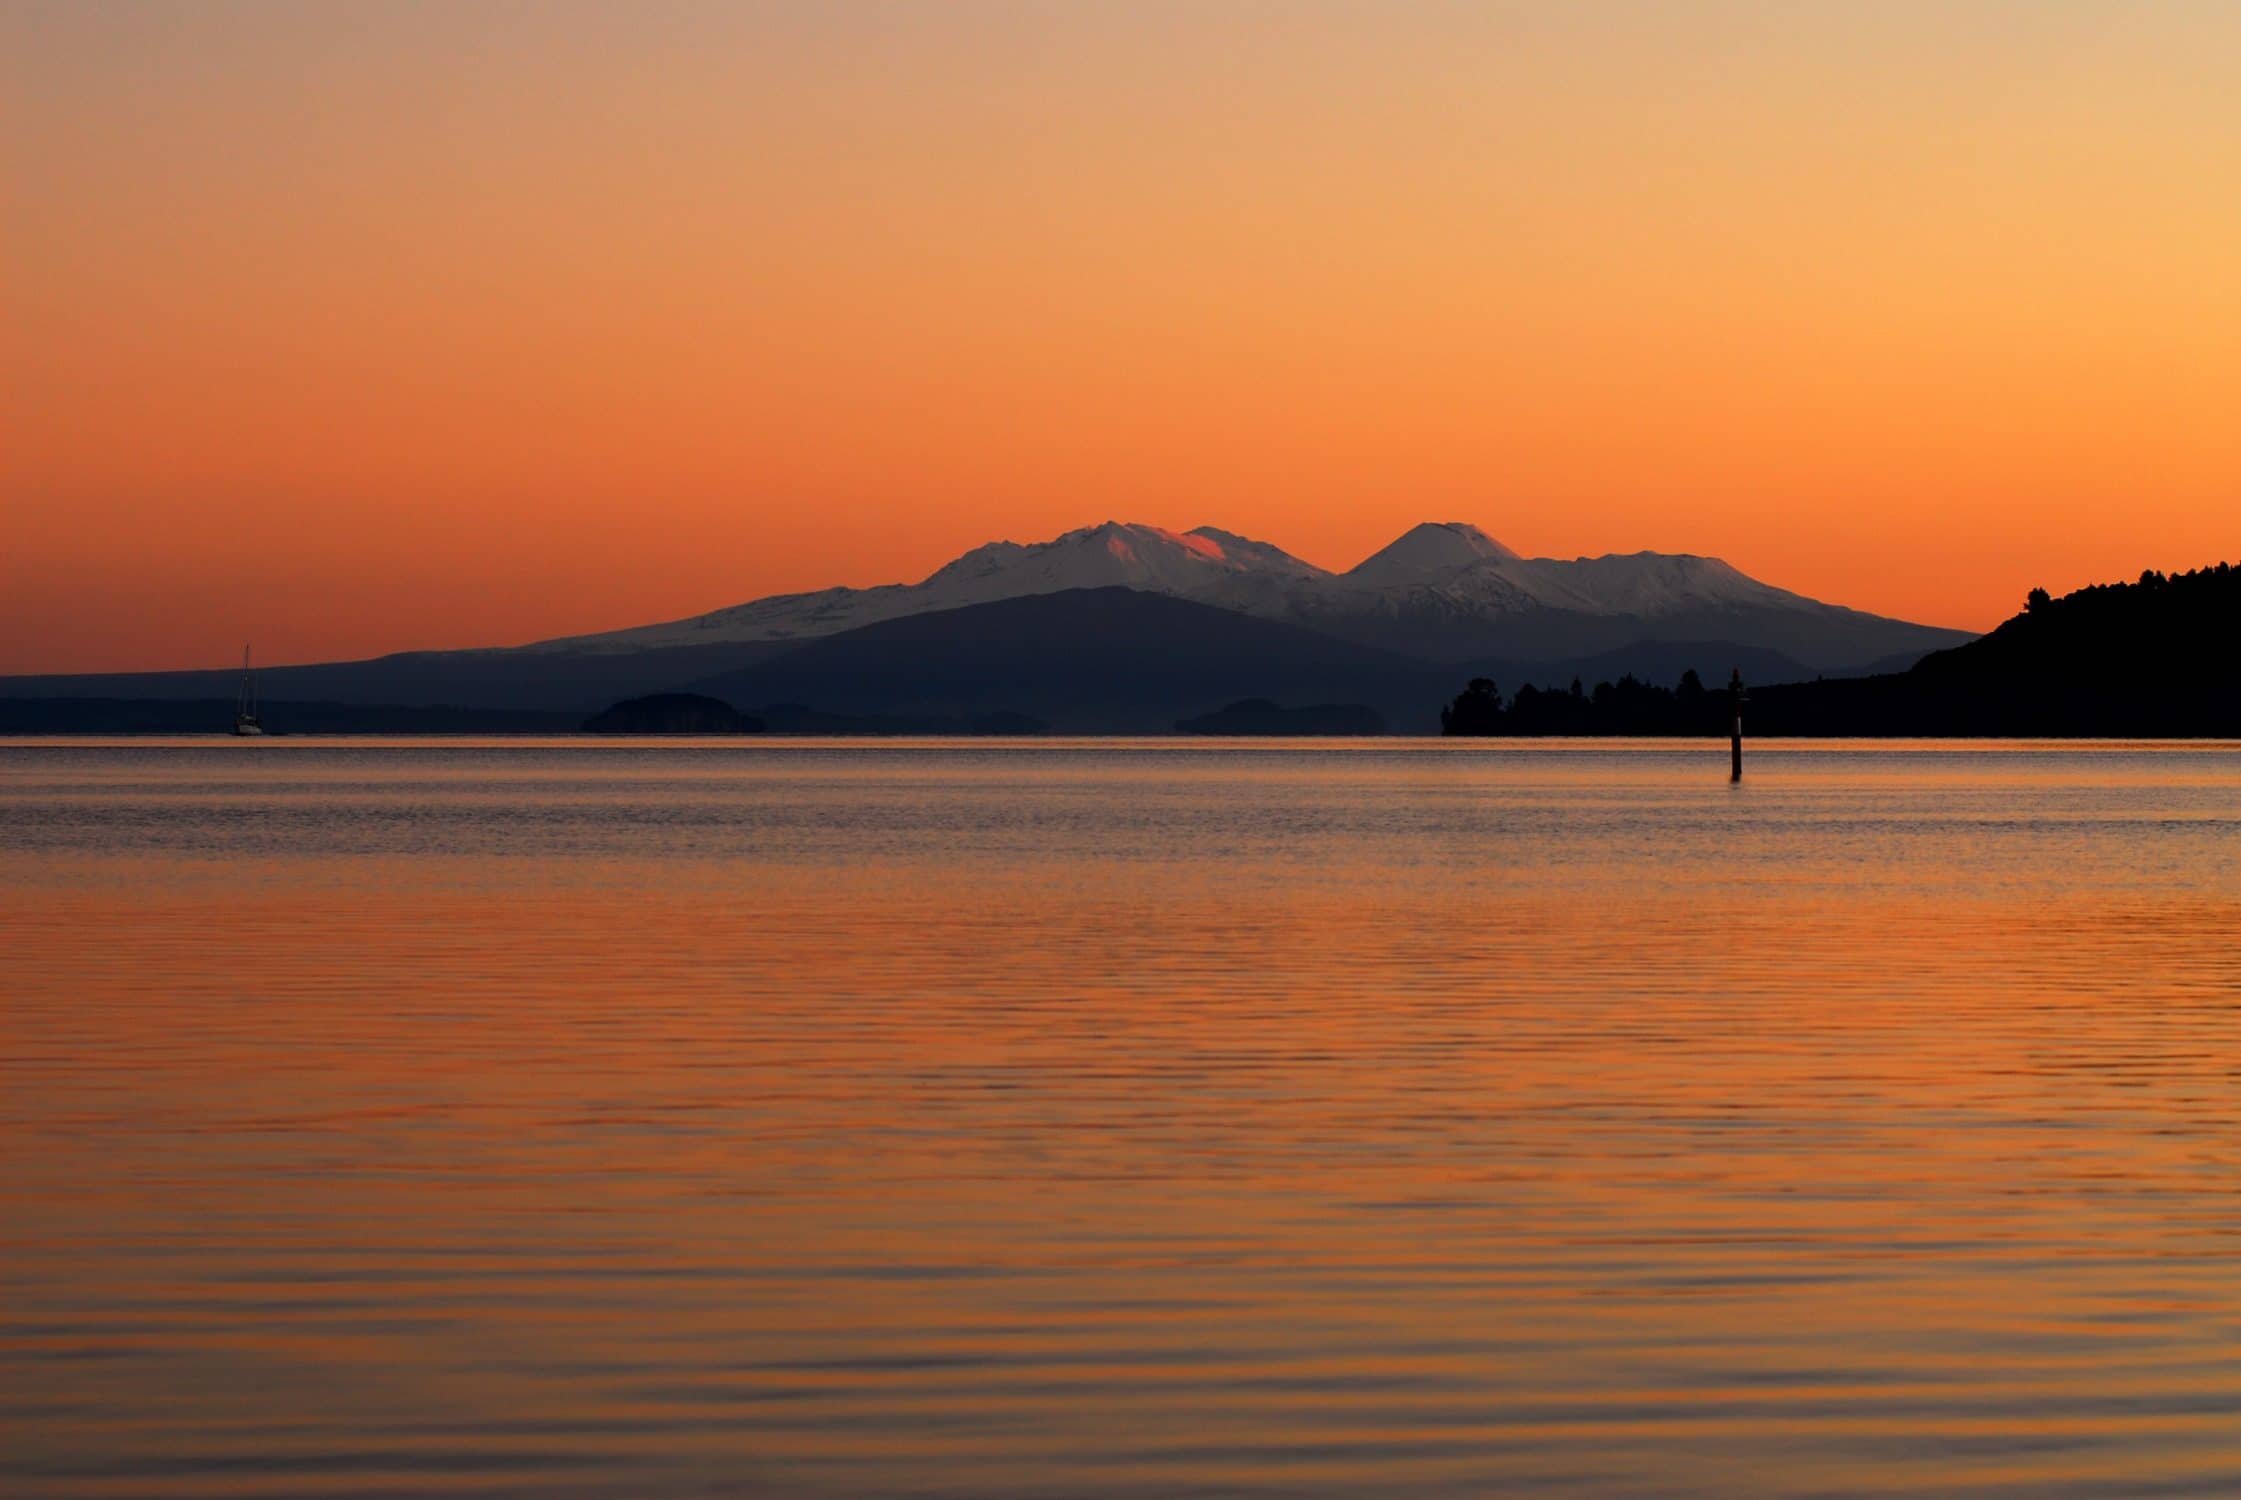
(1109, 660)
(1258, 716)
(2143, 659)
(281, 717)
(571, 683)
(672, 713)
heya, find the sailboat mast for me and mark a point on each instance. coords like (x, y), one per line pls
(245, 700)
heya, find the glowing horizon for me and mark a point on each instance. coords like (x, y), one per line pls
(352, 330)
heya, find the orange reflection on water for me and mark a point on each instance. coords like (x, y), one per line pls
(1091, 1120)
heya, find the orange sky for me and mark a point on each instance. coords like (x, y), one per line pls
(353, 328)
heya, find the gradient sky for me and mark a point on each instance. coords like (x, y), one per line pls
(353, 328)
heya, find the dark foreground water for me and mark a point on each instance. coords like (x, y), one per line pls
(1037, 1120)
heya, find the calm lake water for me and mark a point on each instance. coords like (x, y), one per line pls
(1043, 1119)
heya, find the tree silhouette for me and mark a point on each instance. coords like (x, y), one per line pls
(1627, 706)
(1478, 711)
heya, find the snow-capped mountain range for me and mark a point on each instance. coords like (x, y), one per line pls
(1444, 590)
(1127, 629)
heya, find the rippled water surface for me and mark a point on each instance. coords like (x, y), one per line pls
(1045, 1119)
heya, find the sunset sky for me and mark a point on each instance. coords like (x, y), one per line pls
(355, 328)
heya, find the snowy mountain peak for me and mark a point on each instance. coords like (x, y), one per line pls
(1260, 557)
(1125, 553)
(1428, 550)
(1656, 583)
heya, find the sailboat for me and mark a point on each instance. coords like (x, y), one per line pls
(245, 720)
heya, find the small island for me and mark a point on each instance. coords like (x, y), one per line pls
(1260, 716)
(800, 718)
(672, 713)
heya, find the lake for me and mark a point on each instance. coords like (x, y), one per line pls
(1119, 1118)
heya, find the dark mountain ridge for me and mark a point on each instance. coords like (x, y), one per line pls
(91, 715)
(569, 682)
(1429, 627)
(1086, 661)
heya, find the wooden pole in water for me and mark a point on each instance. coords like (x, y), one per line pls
(1735, 725)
